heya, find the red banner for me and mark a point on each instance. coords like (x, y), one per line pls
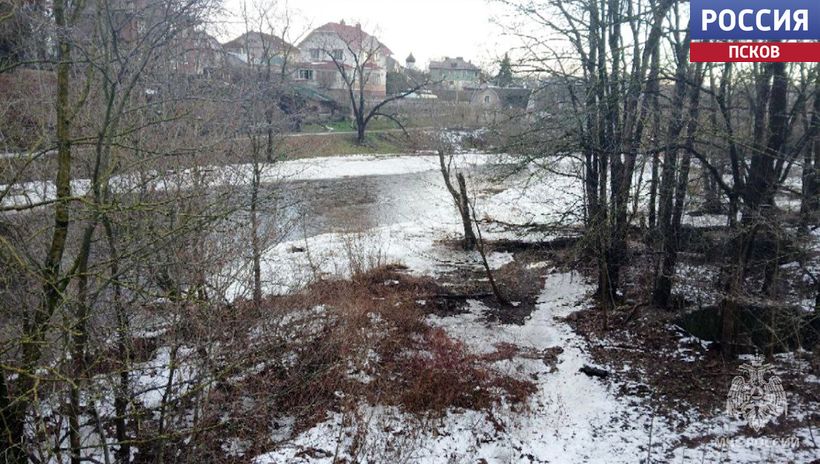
(750, 52)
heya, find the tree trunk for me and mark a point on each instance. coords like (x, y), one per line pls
(758, 194)
(11, 425)
(360, 135)
(653, 193)
(734, 288)
(711, 203)
(654, 94)
(591, 188)
(766, 177)
(121, 391)
(469, 235)
(481, 251)
(255, 239)
(34, 326)
(461, 200)
(666, 227)
(810, 201)
(663, 284)
(269, 145)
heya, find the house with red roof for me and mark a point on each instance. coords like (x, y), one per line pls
(336, 54)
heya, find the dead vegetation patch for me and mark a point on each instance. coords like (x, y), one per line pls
(340, 343)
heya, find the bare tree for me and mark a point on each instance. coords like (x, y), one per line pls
(611, 113)
(466, 209)
(360, 59)
(35, 324)
(460, 196)
(261, 96)
(810, 203)
(759, 167)
(105, 50)
(675, 176)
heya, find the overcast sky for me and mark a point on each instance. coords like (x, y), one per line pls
(429, 28)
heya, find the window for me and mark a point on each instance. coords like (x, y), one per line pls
(306, 74)
(338, 54)
(486, 99)
(315, 54)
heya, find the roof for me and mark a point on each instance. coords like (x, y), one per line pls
(351, 34)
(457, 64)
(277, 43)
(410, 58)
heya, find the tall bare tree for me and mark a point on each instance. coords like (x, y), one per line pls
(613, 67)
(263, 93)
(104, 52)
(360, 60)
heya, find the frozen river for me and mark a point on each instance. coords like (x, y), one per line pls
(358, 203)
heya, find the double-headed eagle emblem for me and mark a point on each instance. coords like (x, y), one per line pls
(754, 398)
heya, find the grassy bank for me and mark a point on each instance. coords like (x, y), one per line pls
(233, 151)
(350, 127)
(316, 145)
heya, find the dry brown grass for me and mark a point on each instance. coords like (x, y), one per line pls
(330, 348)
(371, 343)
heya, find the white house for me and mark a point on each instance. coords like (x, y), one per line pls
(258, 48)
(338, 44)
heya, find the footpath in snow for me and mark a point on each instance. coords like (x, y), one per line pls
(571, 417)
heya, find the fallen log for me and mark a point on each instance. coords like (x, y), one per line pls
(594, 371)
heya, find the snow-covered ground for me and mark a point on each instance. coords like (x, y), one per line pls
(571, 418)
